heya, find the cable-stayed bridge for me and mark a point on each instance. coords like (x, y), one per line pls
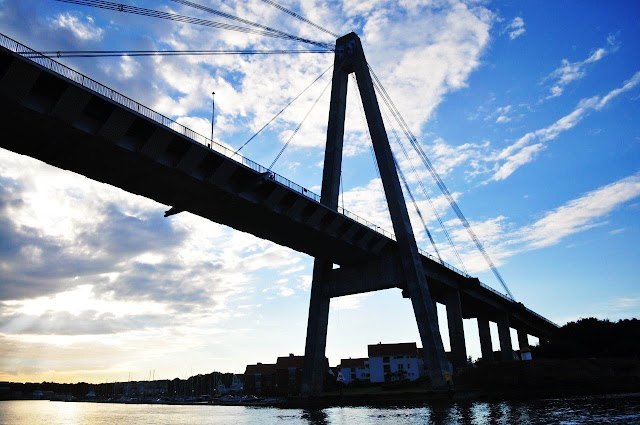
(57, 115)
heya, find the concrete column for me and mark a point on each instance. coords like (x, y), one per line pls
(506, 351)
(314, 353)
(484, 331)
(456, 329)
(523, 340)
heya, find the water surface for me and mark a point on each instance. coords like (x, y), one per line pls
(586, 410)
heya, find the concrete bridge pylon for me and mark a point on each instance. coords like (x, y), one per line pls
(350, 58)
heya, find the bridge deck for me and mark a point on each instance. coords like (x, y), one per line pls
(77, 124)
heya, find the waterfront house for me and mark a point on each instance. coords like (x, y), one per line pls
(395, 362)
(260, 379)
(354, 370)
(289, 374)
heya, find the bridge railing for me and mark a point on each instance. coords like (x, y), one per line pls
(541, 317)
(93, 85)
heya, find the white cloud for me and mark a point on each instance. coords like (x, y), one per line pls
(84, 31)
(581, 213)
(501, 114)
(87, 259)
(349, 302)
(305, 282)
(285, 291)
(628, 85)
(572, 71)
(129, 67)
(624, 303)
(515, 28)
(524, 150)
(502, 239)
(80, 299)
(446, 47)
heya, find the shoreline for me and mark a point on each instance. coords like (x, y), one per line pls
(517, 381)
(396, 399)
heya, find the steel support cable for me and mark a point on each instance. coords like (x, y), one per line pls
(101, 4)
(375, 163)
(424, 189)
(415, 204)
(298, 127)
(426, 194)
(436, 177)
(282, 110)
(229, 16)
(136, 53)
(409, 135)
(406, 130)
(299, 17)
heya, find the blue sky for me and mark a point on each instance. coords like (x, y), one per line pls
(527, 110)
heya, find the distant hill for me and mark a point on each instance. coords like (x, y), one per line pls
(592, 337)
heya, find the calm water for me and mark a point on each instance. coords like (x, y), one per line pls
(601, 410)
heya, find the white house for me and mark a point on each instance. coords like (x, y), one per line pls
(354, 369)
(393, 362)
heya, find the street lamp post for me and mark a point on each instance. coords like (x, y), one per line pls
(213, 111)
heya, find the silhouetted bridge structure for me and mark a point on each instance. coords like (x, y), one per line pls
(58, 116)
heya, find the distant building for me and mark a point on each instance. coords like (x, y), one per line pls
(525, 354)
(282, 378)
(395, 362)
(354, 370)
(289, 374)
(497, 355)
(260, 379)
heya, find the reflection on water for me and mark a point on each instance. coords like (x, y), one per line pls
(601, 410)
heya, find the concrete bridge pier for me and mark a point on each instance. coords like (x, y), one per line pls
(523, 339)
(350, 58)
(314, 352)
(456, 329)
(315, 363)
(504, 334)
(484, 332)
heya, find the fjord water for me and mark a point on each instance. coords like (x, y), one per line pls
(598, 410)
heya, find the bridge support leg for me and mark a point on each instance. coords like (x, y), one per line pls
(436, 363)
(456, 329)
(315, 362)
(504, 334)
(484, 332)
(523, 339)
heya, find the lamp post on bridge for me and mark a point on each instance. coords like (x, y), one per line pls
(213, 111)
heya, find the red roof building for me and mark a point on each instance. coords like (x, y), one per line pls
(260, 379)
(401, 349)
